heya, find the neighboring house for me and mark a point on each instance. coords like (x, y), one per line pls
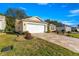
(52, 27)
(2, 23)
(31, 24)
(77, 28)
(64, 27)
(74, 29)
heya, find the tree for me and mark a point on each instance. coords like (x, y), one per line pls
(58, 24)
(16, 13)
(12, 14)
(10, 24)
(48, 23)
(2, 14)
(78, 25)
(20, 13)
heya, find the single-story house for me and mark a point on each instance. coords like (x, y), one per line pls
(2, 23)
(52, 28)
(31, 24)
(77, 28)
(66, 28)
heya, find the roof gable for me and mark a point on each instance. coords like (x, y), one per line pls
(33, 19)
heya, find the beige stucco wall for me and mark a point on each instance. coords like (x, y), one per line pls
(18, 26)
(2, 23)
(67, 28)
(27, 23)
(22, 26)
(77, 29)
(52, 27)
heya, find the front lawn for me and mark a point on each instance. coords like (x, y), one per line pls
(75, 35)
(34, 47)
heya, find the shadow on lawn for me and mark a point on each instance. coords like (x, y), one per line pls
(7, 48)
(14, 33)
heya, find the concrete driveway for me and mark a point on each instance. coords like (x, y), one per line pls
(64, 41)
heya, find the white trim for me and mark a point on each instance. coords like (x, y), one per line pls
(43, 24)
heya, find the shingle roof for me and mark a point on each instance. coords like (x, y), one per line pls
(33, 19)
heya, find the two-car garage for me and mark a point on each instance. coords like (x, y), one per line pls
(32, 24)
(36, 28)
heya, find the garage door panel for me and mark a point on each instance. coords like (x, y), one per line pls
(33, 28)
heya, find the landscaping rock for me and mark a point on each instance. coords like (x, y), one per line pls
(20, 38)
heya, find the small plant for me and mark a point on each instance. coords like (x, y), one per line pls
(28, 35)
(57, 32)
(68, 32)
(48, 28)
(63, 31)
(1, 30)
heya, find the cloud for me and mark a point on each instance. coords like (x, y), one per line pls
(63, 6)
(42, 3)
(52, 5)
(45, 4)
(73, 13)
(68, 22)
(22, 8)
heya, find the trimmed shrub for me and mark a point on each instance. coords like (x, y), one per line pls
(63, 31)
(68, 32)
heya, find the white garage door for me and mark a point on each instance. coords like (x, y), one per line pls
(33, 28)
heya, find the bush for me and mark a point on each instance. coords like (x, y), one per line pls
(68, 32)
(57, 32)
(1, 30)
(28, 35)
(63, 31)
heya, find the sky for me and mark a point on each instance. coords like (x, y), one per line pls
(67, 13)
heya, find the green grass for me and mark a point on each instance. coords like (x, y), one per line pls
(34, 47)
(75, 35)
